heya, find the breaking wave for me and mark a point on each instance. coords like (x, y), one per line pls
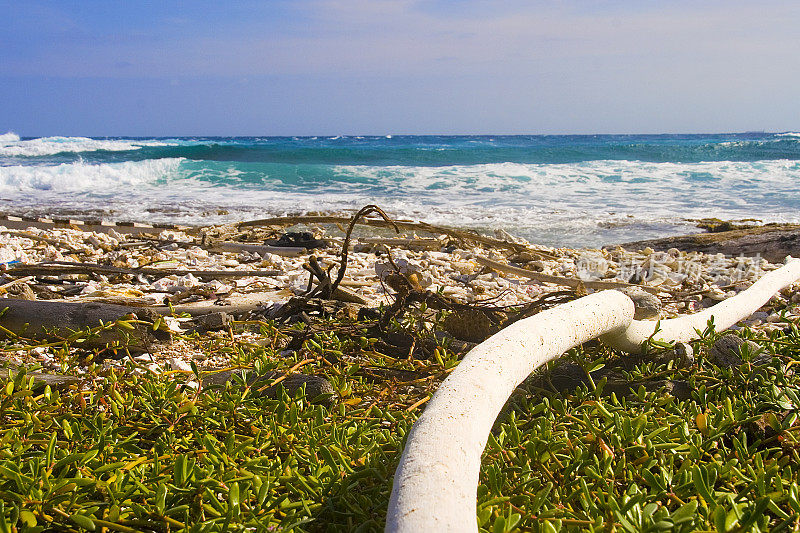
(577, 204)
(86, 178)
(12, 146)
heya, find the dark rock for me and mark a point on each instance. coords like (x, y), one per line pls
(772, 242)
(727, 351)
(211, 322)
(762, 428)
(472, 325)
(316, 386)
(301, 239)
(368, 313)
(680, 389)
(683, 354)
(566, 377)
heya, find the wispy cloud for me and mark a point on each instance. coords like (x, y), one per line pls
(411, 37)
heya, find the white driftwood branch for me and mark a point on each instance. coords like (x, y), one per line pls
(725, 314)
(436, 481)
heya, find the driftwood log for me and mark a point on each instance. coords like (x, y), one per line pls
(238, 247)
(402, 224)
(56, 268)
(51, 320)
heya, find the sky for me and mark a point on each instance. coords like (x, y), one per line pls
(319, 67)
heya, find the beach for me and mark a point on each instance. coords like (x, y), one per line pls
(293, 393)
(246, 270)
(273, 365)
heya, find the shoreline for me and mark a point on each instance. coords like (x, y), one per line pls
(747, 237)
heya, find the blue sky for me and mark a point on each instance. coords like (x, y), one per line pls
(275, 67)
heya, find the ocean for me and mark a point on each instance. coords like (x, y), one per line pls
(558, 190)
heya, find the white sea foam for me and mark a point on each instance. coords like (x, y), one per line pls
(81, 177)
(12, 146)
(580, 204)
(788, 134)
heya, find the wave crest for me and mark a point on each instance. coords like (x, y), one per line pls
(83, 177)
(12, 146)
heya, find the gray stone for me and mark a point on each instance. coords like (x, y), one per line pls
(646, 305)
(684, 354)
(20, 291)
(261, 385)
(211, 322)
(727, 351)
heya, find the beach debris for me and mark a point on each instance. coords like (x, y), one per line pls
(55, 320)
(325, 288)
(457, 286)
(298, 239)
(261, 249)
(58, 267)
(557, 280)
(466, 236)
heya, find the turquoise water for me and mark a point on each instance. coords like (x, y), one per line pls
(582, 190)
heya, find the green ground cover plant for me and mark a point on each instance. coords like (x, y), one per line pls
(133, 450)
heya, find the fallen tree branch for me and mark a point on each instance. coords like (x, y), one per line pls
(363, 212)
(411, 244)
(559, 280)
(285, 251)
(48, 319)
(59, 267)
(402, 224)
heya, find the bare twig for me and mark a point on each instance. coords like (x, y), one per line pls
(364, 211)
(559, 280)
(61, 267)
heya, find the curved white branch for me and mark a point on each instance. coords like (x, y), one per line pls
(725, 314)
(436, 481)
(435, 484)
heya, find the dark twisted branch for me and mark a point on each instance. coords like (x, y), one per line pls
(325, 288)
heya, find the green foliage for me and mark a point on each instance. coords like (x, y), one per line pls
(154, 455)
(139, 451)
(649, 462)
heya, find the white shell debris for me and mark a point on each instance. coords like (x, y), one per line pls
(700, 280)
